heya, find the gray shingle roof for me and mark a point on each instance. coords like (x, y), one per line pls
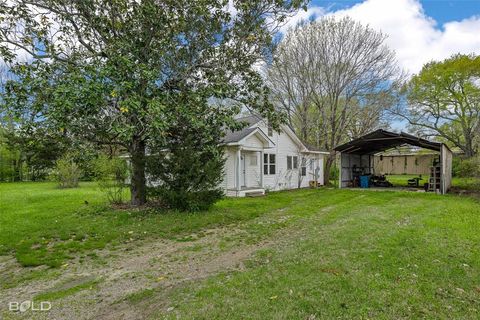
(235, 136)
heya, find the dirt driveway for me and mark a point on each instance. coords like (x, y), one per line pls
(114, 283)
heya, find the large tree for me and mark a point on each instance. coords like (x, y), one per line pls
(443, 101)
(109, 71)
(341, 69)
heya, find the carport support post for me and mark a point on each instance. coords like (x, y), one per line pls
(442, 172)
(340, 172)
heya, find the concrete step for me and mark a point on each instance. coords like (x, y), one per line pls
(254, 194)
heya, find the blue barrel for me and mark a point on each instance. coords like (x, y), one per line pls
(364, 181)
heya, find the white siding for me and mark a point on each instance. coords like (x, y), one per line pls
(283, 178)
(229, 169)
(253, 142)
(287, 179)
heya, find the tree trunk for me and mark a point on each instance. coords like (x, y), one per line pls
(138, 181)
(469, 152)
(328, 166)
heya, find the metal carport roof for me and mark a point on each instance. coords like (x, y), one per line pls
(381, 140)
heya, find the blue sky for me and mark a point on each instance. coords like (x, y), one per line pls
(418, 31)
(440, 10)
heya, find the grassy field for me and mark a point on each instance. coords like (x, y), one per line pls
(319, 254)
(377, 255)
(400, 180)
(42, 224)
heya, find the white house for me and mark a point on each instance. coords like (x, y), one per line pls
(259, 159)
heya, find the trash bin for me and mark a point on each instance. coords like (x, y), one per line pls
(364, 181)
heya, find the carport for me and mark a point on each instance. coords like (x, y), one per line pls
(356, 157)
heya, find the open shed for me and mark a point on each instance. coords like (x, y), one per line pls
(356, 157)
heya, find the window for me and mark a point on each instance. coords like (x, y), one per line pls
(268, 163)
(312, 165)
(304, 167)
(292, 162)
(253, 160)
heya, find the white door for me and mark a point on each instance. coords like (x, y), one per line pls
(243, 182)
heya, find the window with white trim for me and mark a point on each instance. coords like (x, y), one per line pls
(304, 167)
(269, 163)
(292, 162)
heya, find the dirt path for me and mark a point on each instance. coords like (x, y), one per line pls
(106, 287)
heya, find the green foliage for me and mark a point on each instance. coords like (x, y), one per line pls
(67, 173)
(466, 167)
(334, 174)
(444, 100)
(111, 174)
(188, 163)
(9, 160)
(27, 154)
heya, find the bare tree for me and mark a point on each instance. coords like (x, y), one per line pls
(340, 69)
(373, 113)
(288, 80)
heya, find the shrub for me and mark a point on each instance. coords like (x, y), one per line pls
(111, 174)
(185, 200)
(334, 175)
(67, 172)
(188, 163)
(466, 167)
(189, 176)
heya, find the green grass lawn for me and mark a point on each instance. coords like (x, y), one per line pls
(365, 255)
(401, 180)
(42, 224)
(343, 254)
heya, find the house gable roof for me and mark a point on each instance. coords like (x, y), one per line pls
(236, 136)
(252, 121)
(246, 133)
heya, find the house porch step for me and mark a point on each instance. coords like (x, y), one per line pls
(254, 194)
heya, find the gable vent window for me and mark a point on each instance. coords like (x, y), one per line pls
(269, 164)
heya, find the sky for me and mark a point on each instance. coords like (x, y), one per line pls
(418, 30)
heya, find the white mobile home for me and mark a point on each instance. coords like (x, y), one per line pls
(260, 158)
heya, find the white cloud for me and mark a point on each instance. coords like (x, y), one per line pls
(302, 15)
(415, 37)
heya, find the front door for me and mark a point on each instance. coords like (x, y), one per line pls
(243, 182)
